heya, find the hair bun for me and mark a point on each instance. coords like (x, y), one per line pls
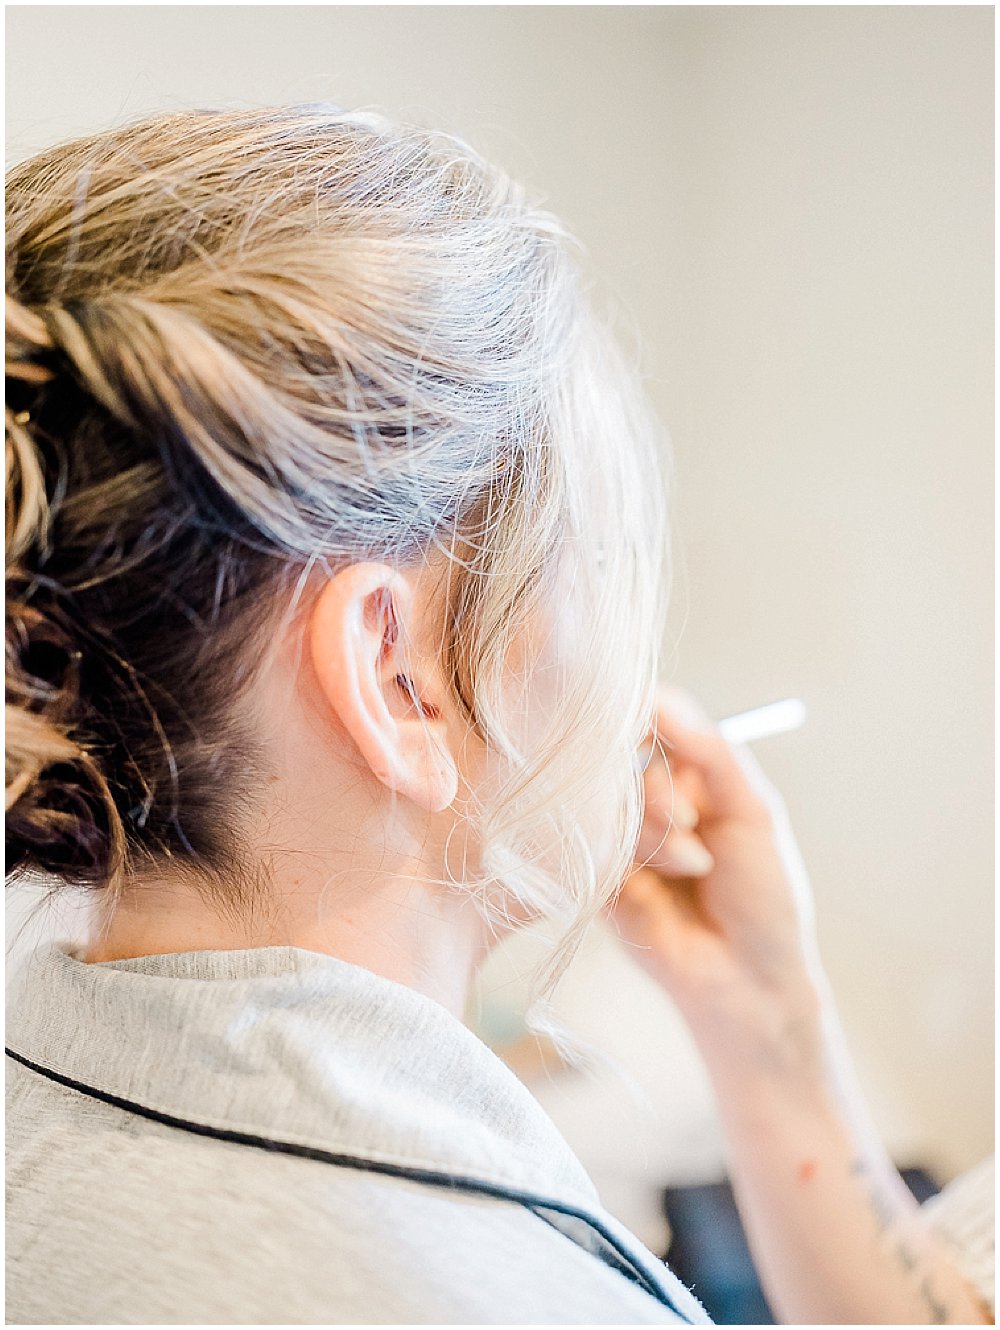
(54, 792)
(27, 339)
(56, 798)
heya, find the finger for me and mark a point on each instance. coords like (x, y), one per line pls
(672, 795)
(685, 706)
(648, 919)
(644, 897)
(734, 784)
(673, 853)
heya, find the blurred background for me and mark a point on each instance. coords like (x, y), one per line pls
(794, 205)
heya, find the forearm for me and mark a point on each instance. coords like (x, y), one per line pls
(834, 1232)
(836, 1235)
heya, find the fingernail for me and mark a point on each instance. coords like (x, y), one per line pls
(690, 858)
(643, 755)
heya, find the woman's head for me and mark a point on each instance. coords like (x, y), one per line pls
(267, 369)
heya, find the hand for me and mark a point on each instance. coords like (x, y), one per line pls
(718, 908)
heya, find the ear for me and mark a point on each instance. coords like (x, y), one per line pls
(358, 631)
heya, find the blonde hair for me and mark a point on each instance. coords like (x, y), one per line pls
(246, 345)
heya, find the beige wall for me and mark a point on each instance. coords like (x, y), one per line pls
(795, 205)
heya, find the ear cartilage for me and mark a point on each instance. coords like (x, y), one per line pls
(408, 688)
(425, 708)
(763, 722)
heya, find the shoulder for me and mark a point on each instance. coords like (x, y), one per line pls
(116, 1219)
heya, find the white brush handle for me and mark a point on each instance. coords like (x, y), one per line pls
(762, 722)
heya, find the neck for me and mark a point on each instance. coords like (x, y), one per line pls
(349, 868)
(397, 925)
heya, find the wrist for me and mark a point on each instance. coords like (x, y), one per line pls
(766, 1043)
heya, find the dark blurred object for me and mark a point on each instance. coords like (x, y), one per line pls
(709, 1252)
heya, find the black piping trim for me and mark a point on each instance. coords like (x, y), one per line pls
(610, 1257)
(431, 1177)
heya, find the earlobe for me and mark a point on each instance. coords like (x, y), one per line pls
(358, 626)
